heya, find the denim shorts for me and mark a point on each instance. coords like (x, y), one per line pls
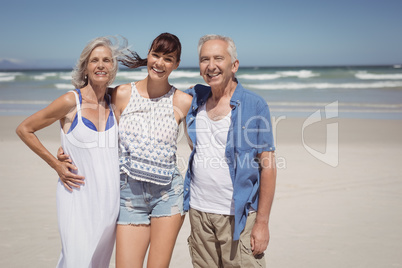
(140, 200)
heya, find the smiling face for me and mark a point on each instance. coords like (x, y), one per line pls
(100, 63)
(216, 66)
(160, 65)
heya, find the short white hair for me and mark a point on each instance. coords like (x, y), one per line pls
(231, 45)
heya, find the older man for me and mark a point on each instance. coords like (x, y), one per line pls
(230, 182)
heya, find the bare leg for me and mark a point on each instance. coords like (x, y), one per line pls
(164, 231)
(131, 245)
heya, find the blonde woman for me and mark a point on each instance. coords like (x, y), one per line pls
(87, 201)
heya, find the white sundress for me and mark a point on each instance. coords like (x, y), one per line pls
(87, 216)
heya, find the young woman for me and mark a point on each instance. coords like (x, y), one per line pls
(151, 196)
(86, 215)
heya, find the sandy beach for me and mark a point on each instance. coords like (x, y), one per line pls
(324, 214)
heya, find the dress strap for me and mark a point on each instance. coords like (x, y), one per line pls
(78, 107)
(78, 100)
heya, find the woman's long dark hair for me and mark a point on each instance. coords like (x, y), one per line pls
(165, 43)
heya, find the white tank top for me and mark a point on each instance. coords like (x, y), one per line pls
(211, 187)
(148, 133)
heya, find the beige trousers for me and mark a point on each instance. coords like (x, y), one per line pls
(211, 242)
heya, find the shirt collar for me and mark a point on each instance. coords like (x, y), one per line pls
(206, 92)
(237, 94)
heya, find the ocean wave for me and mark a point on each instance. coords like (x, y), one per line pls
(139, 75)
(131, 76)
(280, 74)
(184, 74)
(44, 76)
(64, 86)
(370, 76)
(65, 76)
(180, 86)
(6, 77)
(259, 76)
(299, 74)
(296, 86)
(184, 86)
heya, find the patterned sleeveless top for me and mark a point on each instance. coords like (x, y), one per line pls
(147, 138)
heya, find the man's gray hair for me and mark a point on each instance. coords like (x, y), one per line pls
(231, 45)
(78, 75)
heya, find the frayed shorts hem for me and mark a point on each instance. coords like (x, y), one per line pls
(140, 200)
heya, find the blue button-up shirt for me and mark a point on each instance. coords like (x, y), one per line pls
(250, 133)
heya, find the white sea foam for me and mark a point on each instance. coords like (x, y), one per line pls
(296, 86)
(61, 75)
(370, 76)
(6, 77)
(64, 86)
(65, 76)
(39, 77)
(259, 76)
(184, 86)
(50, 74)
(184, 74)
(135, 76)
(44, 76)
(299, 74)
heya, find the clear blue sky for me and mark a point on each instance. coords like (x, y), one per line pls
(267, 33)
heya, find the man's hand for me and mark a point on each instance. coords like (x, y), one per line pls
(63, 169)
(259, 238)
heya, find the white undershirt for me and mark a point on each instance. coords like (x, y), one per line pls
(211, 186)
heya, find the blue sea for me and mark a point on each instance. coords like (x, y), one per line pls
(372, 92)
